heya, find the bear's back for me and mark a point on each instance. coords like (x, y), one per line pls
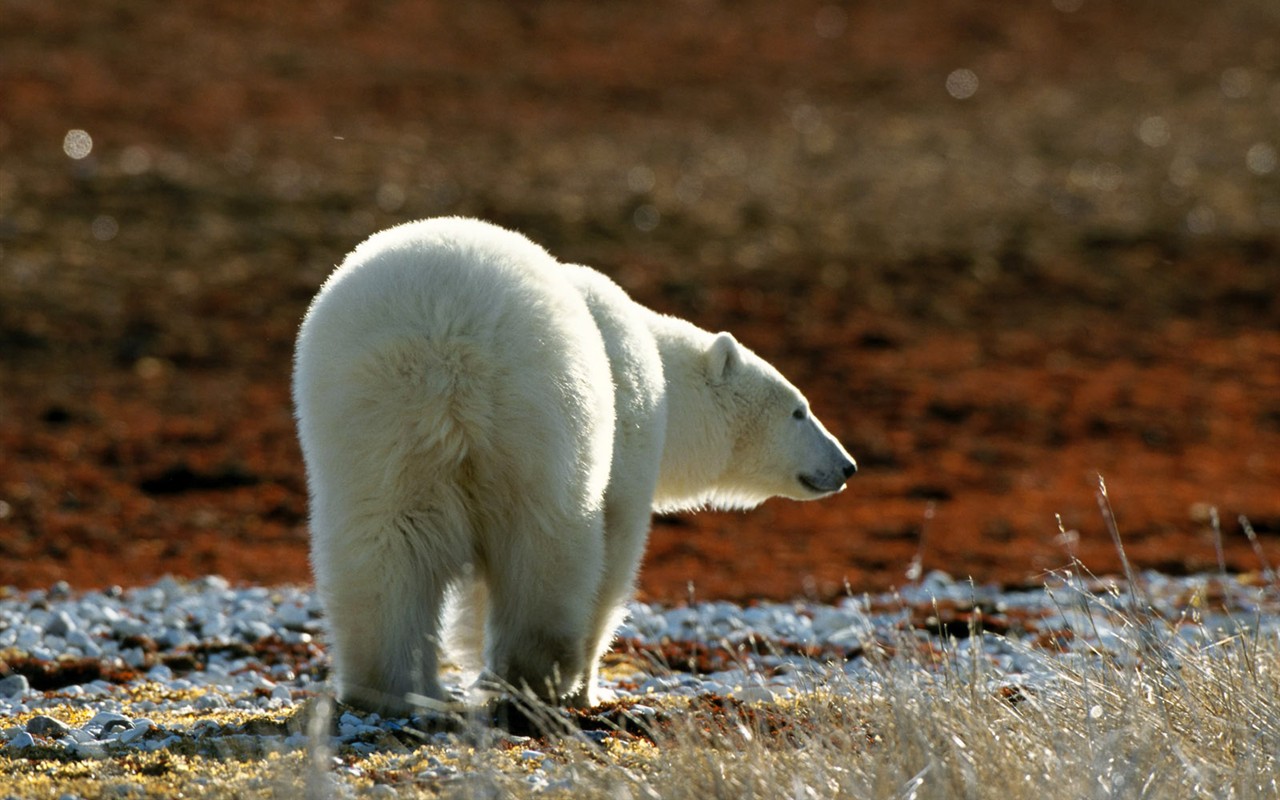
(451, 341)
(445, 277)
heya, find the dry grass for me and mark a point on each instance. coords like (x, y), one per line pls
(1162, 709)
(1158, 719)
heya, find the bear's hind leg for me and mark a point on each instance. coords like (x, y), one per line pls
(541, 594)
(386, 632)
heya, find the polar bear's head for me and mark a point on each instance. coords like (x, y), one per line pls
(745, 433)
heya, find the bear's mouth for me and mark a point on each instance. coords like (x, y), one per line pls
(817, 487)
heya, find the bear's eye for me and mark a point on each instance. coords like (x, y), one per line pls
(800, 413)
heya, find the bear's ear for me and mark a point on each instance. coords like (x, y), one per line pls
(723, 358)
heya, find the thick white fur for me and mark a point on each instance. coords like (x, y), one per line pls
(482, 422)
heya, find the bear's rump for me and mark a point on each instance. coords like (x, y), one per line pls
(505, 397)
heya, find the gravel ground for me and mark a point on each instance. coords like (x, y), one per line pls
(204, 667)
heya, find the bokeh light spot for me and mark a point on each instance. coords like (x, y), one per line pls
(1154, 131)
(962, 84)
(640, 179)
(1201, 220)
(77, 144)
(646, 218)
(105, 228)
(1261, 159)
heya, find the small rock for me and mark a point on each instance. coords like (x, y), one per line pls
(84, 643)
(88, 749)
(28, 638)
(125, 627)
(104, 718)
(254, 630)
(292, 615)
(60, 625)
(139, 729)
(14, 686)
(135, 657)
(215, 582)
(596, 737)
(160, 673)
(42, 725)
(282, 672)
(113, 730)
(22, 741)
(80, 735)
(173, 637)
(349, 725)
(659, 684)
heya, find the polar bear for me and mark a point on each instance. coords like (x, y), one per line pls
(487, 428)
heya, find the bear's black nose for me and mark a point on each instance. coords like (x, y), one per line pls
(850, 468)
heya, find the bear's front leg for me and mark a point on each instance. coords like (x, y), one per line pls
(627, 518)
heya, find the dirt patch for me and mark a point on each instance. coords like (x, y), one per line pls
(1002, 251)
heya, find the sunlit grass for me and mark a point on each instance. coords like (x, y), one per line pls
(1155, 719)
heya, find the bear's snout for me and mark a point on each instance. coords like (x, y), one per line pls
(830, 480)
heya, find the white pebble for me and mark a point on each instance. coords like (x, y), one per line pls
(84, 643)
(89, 749)
(14, 686)
(81, 735)
(139, 729)
(29, 636)
(60, 624)
(105, 718)
(160, 673)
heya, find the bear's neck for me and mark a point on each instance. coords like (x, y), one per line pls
(694, 455)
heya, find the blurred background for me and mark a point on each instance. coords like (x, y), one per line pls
(1004, 248)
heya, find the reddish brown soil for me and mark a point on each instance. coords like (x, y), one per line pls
(991, 300)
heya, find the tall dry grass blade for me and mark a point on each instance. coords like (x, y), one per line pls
(1267, 571)
(915, 569)
(1216, 524)
(1113, 528)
